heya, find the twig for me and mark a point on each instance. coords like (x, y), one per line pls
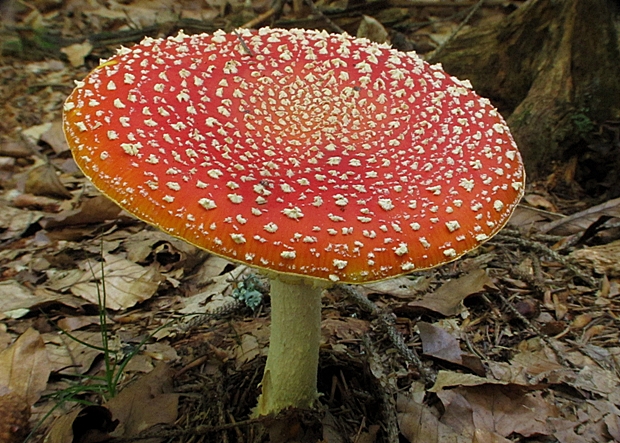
(247, 49)
(466, 20)
(544, 249)
(556, 350)
(387, 321)
(388, 409)
(275, 9)
(222, 311)
(333, 26)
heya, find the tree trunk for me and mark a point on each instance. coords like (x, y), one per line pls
(552, 66)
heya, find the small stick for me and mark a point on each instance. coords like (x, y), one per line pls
(544, 249)
(387, 320)
(441, 47)
(260, 19)
(247, 49)
(333, 26)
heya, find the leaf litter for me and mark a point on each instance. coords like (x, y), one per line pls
(516, 346)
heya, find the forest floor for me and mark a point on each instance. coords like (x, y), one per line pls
(517, 341)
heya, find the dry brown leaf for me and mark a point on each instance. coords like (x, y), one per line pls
(497, 410)
(17, 300)
(15, 149)
(448, 299)
(125, 282)
(417, 423)
(580, 221)
(438, 343)
(77, 52)
(143, 13)
(448, 379)
(258, 327)
(595, 379)
(15, 413)
(343, 328)
(30, 201)
(43, 180)
(581, 321)
(247, 350)
(141, 245)
(331, 429)
(216, 294)
(25, 367)
(538, 201)
(93, 210)
(77, 322)
(212, 267)
(401, 287)
(92, 424)
(373, 30)
(14, 222)
(145, 403)
(528, 218)
(598, 420)
(55, 137)
(68, 355)
(604, 259)
(539, 365)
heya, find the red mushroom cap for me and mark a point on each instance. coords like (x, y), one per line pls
(297, 151)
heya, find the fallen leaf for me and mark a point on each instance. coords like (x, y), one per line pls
(448, 299)
(418, 423)
(343, 328)
(77, 322)
(92, 210)
(70, 356)
(580, 221)
(497, 410)
(436, 342)
(603, 259)
(528, 218)
(372, 29)
(125, 283)
(91, 424)
(564, 431)
(538, 201)
(401, 287)
(43, 180)
(217, 293)
(448, 379)
(14, 222)
(247, 350)
(55, 137)
(30, 201)
(33, 133)
(145, 403)
(613, 425)
(25, 367)
(15, 413)
(77, 52)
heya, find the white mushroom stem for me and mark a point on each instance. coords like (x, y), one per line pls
(291, 371)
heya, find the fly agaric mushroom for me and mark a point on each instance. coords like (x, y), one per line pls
(317, 158)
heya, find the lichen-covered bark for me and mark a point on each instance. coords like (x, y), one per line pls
(551, 66)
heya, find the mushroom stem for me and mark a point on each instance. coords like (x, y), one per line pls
(291, 371)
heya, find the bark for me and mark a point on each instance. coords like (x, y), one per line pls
(552, 66)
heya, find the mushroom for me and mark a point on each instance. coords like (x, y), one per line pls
(317, 158)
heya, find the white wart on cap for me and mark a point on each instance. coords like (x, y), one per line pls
(314, 154)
